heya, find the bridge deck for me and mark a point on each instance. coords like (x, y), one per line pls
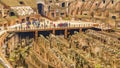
(45, 29)
(51, 27)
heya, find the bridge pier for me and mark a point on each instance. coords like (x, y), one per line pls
(65, 33)
(36, 36)
(53, 31)
(36, 41)
(80, 30)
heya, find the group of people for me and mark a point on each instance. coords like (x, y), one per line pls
(29, 23)
(23, 10)
(63, 24)
(35, 23)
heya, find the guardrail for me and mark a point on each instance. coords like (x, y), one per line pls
(23, 27)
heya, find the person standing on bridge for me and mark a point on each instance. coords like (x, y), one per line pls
(28, 24)
(33, 21)
(38, 23)
(44, 25)
(69, 24)
(17, 22)
(22, 21)
(54, 25)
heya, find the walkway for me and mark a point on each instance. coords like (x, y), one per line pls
(51, 26)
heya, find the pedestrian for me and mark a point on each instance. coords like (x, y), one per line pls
(28, 24)
(69, 24)
(22, 21)
(33, 22)
(38, 23)
(54, 25)
(17, 22)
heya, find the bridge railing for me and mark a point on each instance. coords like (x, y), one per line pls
(50, 26)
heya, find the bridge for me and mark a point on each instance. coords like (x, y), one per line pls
(49, 28)
(52, 28)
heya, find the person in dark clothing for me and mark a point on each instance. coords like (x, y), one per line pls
(33, 22)
(27, 18)
(17, 22)
(38, 23)
(28, 24)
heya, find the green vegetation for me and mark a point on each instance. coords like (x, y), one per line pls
(1, 66)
